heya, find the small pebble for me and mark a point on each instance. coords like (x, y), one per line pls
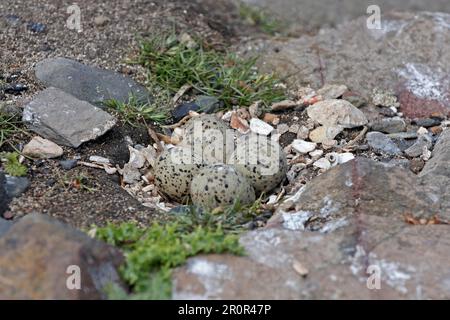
(101, 20)
(403, 135)
(382, 143)
(329, 144)
(15, 186)
(417, 149)
(260, 127)
(294, 128)
(416, 165)
(276, 121)
(15, 88)
(316, 154)
(427, 122)
(41, 148)
(269, 117)
(36, 27)
(422, 131)
(436, 130)
(426, 155)
(99, 159)
(294, 170)
(303, 146)
(389, 125)
(227, 116)
(255, 110)
(283, 128)
(182, 110)
(322, 163)
(303, 133)
(345, 157)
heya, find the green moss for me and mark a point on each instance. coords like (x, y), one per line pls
(152, 253)
(235, 81)
(12, 165)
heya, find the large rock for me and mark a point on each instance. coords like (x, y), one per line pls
(410, 54)
(86, 82)
(412, 261)
(360, 186)
(4, 199)
(436, 173)
(64, 119)
(4, 226)
(310, 15)
(36, 252)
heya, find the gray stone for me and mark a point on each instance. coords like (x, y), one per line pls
(4, 199)
(68, 164)
(334, 112)
(281, 264)
(424, 141)
(382, 143)
(438, 165)
(403, 135)
(182, 110)
(208, 104)
(361, 186)
(64, 119)
(15, 186)
(403, 144)
(436, 173)
(427, 122)
(389, 125)
(403, 56)
(332, 91)
(87, 82)
(36, 253)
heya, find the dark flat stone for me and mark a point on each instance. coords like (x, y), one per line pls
(88, 83)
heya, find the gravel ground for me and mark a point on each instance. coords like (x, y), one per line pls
(108, 45)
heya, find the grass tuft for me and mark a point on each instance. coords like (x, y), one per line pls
(152, 253)
(134, 112)
(233, 80)
(232, 219)
(9, 126)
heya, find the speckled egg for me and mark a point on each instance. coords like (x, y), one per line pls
(174, 170)
(261, 160)
(210, 137)
(220, 185)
